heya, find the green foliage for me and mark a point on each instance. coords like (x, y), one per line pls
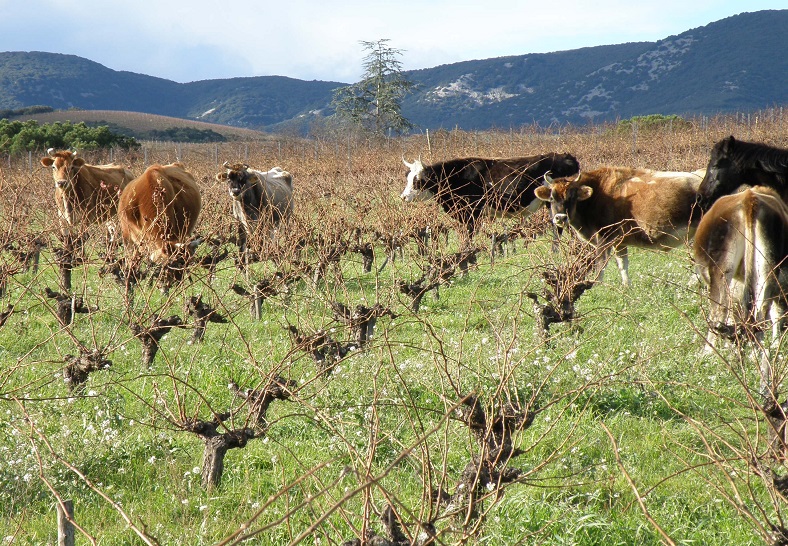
(30, 110)
(22, 136)
(651, 122)
(375, 102)
(186, 134)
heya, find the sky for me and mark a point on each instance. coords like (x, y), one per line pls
(195, 40)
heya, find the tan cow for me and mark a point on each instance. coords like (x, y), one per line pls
(159, 210)
(617, 207)
(740, 249)
(85, 194)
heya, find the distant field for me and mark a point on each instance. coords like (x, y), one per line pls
(138, 122)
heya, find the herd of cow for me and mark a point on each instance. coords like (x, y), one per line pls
(740, 235)
(158, 211)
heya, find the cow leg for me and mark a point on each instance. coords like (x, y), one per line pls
(555, 245)
(243, 249)
(622, 260)
(112, 230)
(719, 303)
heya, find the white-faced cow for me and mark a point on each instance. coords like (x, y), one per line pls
(159, 210)
(259, 198)
(734, 163)
(741, 247)
(615, 207)
(465, 187)
(85, 194)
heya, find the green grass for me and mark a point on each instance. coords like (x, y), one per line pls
(380, 429)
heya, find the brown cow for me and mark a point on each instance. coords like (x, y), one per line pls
(160, 209)
(741, 247)
(85, 194)
(614, 207)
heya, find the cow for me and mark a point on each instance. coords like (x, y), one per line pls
(740, 249)
(257, 197)
(615, 207)
(464, 187)
(159, 210)
(85, 194)
(734, 163)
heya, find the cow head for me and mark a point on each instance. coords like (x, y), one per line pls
(563, 195)
(65, 167)
(238, 179)
(414, 187)
(722, 175)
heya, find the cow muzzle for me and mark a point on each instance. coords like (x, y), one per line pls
(561, 219)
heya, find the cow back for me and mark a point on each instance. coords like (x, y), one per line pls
(97, 191)
(640, 205)
(160, 209)
(277, 193)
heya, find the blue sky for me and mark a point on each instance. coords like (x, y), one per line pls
(319, 40)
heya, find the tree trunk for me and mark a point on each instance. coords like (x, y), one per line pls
(213, 461)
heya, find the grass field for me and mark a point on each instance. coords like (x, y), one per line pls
(625, 433)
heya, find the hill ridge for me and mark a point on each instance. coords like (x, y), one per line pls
(735, 64)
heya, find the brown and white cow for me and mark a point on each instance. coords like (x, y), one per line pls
(740, 249)
(615, 207)
(158, 210)
(85, 194)
(258, 197)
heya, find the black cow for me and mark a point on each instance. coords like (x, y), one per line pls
(734, 163)
(465, 187)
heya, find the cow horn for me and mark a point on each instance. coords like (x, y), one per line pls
(51, 152)
(548, 180)
(226, 165)
(408, 165)
(577, 178)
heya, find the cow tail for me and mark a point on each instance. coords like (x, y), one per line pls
(751, 269)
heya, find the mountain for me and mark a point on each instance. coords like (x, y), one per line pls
(733, 65)
(736, 64)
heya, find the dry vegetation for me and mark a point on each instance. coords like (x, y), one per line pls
(355, 414)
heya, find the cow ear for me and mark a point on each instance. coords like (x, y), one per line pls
(221, 177)
(78, 162)
(727, 145)
(584, 192)
(47, 161)
(543, 193)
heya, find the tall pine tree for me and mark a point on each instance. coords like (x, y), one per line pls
(374, 103)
